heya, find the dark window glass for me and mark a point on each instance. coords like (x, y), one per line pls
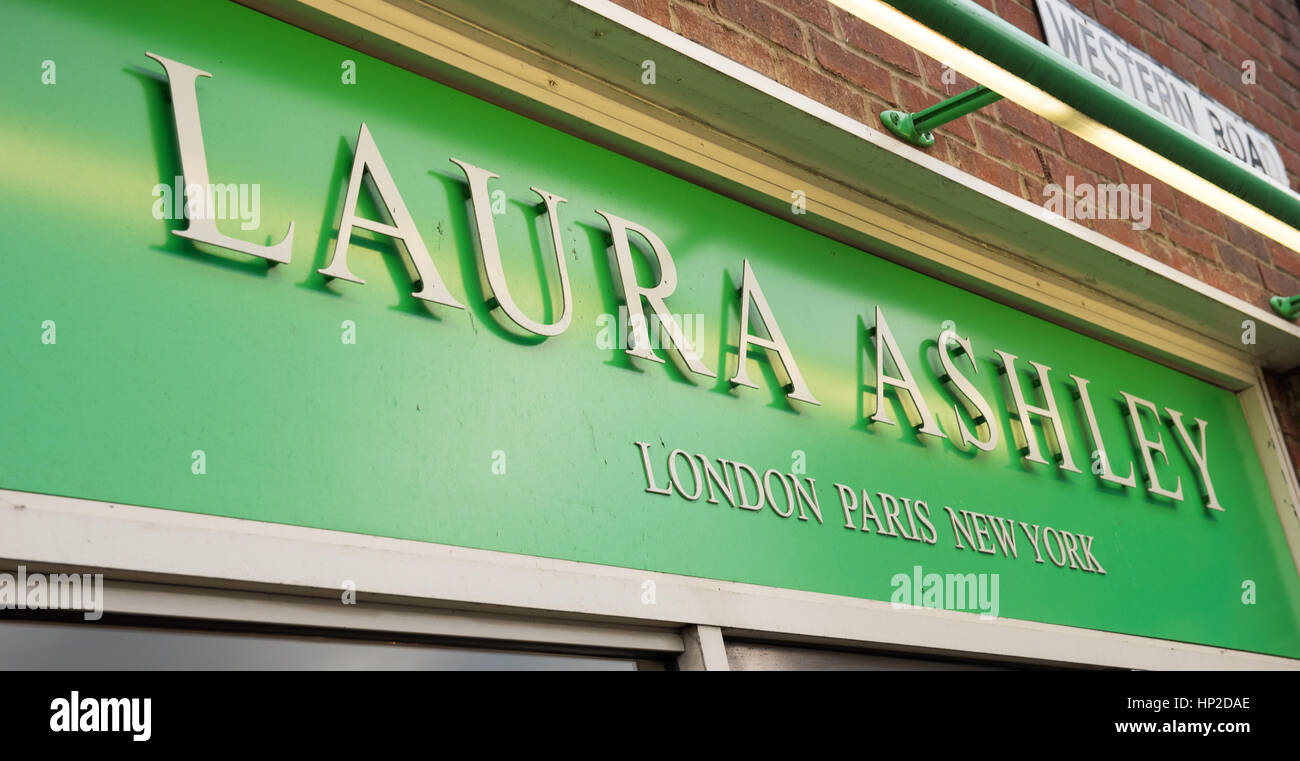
(96, 646)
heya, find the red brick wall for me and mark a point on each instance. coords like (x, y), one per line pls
(849, 65)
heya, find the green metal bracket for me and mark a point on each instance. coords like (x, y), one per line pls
(1289, 308)
(916, 128)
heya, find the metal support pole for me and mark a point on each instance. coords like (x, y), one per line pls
(917, 128)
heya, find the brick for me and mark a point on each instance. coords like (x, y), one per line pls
(821, 87)
(1035, 189)
(1121, 230)
(1089, 155)
(1161, 193)
(1216, 89)
(942, 78)
(816, 12)
(1182, 41)
(1291, 159)
(867, 38)
(1159, 250)
(1160, 6)
(1278, 282)
(1229, 73)
(695, 25)
(976, 163)
(1021, 17)
(1120, 24)
(1234, 260)
(1233, 53)
(1258, 296)
(1231, 14)
(1061, 172)
(1191, 238)
(1183, 65)
(1028, 123)
(1284, 258)
(940, 147)
(655, 10)
(999, 143)
(1267, 13)
(1246, 239)
(1145, 16)
(1197, 213)
(1255, 114)
(851, 66)
(1288, 72)
(1205, 12)
(1194, 26)
(1157, 225)
(1158, 50)
(1247, 41)
(765, 21)
(1224, 281)
(1281, 114)
(1292, 58)
(1178, 259)
(877, 106)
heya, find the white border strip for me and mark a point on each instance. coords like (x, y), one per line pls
(173, 601)
(202, 550)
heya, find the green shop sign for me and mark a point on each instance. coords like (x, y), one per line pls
(253, 273)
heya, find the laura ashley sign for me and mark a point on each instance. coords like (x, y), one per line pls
(1031, 400)
(1095, 48)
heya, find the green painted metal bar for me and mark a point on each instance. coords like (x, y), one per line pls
(957, 106)
(984, 33)
(1287, 306)
(917, 128)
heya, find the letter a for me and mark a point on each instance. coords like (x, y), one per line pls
(751, 293)
(905, 382)
(368, 159)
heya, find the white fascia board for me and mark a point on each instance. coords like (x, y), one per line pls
(183, 549)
